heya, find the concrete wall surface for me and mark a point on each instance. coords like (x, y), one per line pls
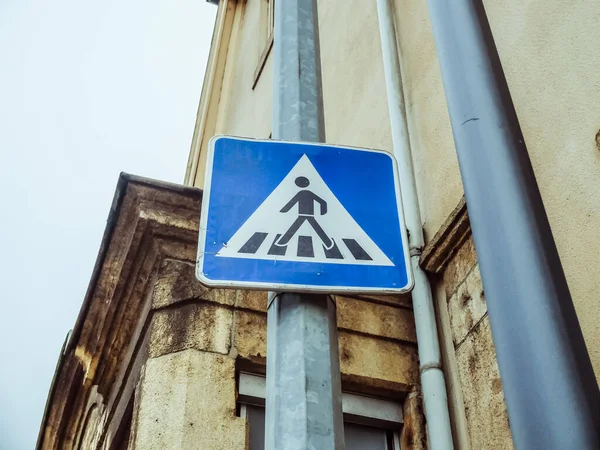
(187, 400)
(200, 337)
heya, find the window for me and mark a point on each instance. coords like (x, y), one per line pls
(267, 21)
(369, 423)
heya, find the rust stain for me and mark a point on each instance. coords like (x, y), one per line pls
(345, 355)
(497, 386)
(413, 431)
(472, 365)
(464, 298)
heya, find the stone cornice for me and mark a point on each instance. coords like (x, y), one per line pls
(149, 222)
(446, 242)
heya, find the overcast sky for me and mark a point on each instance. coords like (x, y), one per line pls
(87, 89)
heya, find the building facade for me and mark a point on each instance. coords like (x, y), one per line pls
(156, 360)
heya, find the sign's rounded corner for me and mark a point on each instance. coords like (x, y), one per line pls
(410, 283)
(217, 137)
(202, 278)
(391, 156)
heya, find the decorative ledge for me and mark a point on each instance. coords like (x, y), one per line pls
(446, 242)
(149, 222)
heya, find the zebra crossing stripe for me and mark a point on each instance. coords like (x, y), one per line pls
(333, 252)
(305, 247)
(356, 250)
(277, 249)
(254, 243)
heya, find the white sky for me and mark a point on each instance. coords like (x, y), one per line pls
(87, 89)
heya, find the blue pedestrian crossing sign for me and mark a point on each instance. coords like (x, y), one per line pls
(302, 217)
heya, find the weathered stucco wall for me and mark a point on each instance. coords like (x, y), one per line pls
(434, 157)
(546, 52)
(246, 111)
(474, 352)
(377, 338)
(354, 96)
(544, 49)
(187, 400)
(199, 336)
(552, 70)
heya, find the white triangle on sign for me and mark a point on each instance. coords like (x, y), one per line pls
(295, 205)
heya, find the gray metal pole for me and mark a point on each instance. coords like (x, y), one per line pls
(551, 393)
(304, 408)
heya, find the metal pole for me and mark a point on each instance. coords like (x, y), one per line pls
(304, 409)
(551, 393)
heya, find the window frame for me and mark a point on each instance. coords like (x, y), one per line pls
(269, 41)
(357, 409)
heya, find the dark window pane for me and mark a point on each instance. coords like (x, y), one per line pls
(256, 420)
(359, 437)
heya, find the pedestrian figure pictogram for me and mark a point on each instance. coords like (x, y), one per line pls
(306, 212)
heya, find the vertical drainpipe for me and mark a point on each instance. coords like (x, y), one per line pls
(551, 393)
(432, 376)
